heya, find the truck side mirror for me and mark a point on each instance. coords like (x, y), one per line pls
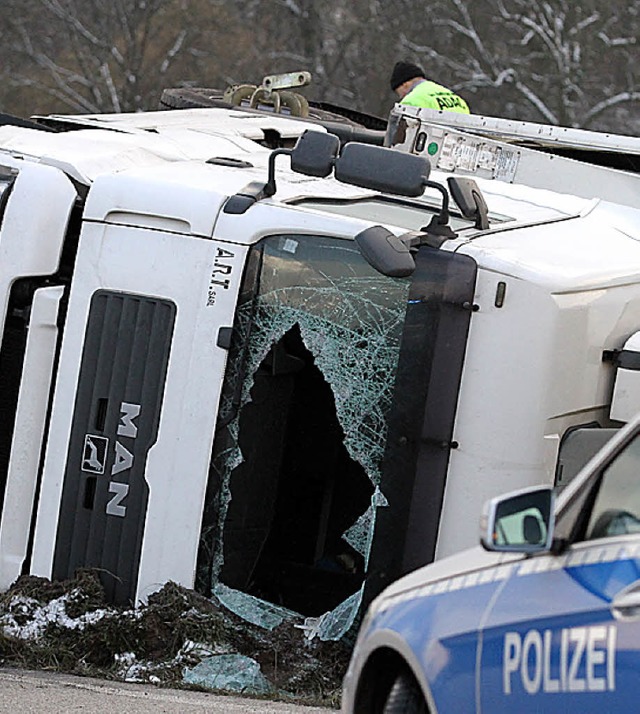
(314, 153)
(469, 199)
(382, 169)
(385, 252)
(519, 522)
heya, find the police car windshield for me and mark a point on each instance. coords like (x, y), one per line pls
(404, 214)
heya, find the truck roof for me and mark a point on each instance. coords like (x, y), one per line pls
(173, 163)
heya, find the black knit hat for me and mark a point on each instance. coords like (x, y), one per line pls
(402, 72)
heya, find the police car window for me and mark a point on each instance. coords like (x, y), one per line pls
(616, 509)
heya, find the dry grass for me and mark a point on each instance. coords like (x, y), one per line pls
(308, 672)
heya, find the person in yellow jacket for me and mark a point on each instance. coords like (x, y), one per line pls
(409, 82)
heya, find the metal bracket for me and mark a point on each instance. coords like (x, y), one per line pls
(286, 81)
(273, 92)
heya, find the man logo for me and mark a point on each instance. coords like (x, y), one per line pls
(94, 454)
(123, 459)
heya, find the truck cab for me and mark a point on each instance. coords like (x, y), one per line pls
(210, 378)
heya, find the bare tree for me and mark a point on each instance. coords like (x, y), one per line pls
(94, 56)
(288, 35)
(349, 46)
(547, 60)
(555, 61)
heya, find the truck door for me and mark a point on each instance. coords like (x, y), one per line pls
(563, 634)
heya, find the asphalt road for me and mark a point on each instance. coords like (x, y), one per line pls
(46, 693)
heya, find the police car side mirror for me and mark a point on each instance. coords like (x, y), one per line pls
(382, 169)
(519, 522)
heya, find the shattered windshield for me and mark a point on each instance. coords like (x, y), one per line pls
(297, 458)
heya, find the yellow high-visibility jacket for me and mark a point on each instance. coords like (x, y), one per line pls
(435, 96)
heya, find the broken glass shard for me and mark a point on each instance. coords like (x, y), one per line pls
(229, 672)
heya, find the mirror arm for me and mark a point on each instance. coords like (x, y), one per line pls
(443, 216)
(270, 186)
(439, 224)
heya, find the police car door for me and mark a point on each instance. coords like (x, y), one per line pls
(564, 633)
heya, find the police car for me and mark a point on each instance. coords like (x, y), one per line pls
(544, 617)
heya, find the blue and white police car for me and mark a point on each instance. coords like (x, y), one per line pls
(545, 617)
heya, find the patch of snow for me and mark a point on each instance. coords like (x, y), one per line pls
(37, 617)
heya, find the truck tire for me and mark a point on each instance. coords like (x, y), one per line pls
(192, 98)
(405, 697)
(200, 98)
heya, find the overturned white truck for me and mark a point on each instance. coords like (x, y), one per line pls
(291, 385)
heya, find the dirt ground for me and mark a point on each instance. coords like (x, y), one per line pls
(67, 627)
(51, 693)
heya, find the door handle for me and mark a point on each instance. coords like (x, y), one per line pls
(626, 604)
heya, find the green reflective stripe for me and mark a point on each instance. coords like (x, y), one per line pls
(435, 96)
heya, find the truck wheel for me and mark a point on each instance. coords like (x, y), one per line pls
(200, 97)
(405, 697)
(192, 98)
